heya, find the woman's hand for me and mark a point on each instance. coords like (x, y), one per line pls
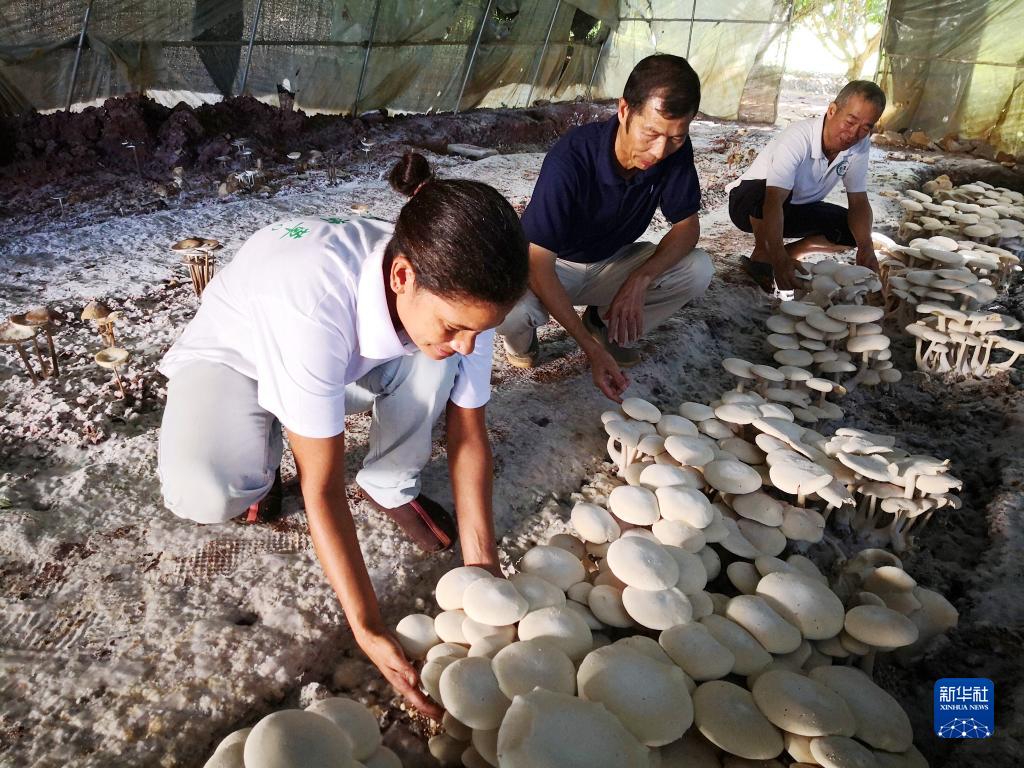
(387, 655)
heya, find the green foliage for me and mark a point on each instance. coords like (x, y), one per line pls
(851, 29)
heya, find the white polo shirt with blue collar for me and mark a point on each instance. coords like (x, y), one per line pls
(302, 309)
(794, 159)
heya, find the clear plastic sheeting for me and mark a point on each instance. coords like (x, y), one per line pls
(956, 68)
(336, 57)
(737, 47)
(356, 55)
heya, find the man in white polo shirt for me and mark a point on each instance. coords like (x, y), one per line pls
(780, 195)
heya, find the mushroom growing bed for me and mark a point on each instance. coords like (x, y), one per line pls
(128, 637)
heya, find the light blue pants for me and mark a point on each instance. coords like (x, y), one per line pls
(219, 450)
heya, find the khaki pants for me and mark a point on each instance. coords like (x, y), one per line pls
(596, 284)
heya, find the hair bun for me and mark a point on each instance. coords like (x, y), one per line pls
(410, 173)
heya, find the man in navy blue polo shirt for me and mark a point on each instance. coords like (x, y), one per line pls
(597, 193)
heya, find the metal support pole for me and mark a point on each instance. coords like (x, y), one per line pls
(689, 36)
(366, 59)
(252, 38)
(78, 55)
(543, 53)
(597, 62)
(472, 56)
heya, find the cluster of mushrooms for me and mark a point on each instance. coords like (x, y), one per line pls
(957, 261)
(26, 328)
(336, 732)
(949, 340)
(111, 357)
(979, 214)
(816, 346)
(197, 253)
(669, 630)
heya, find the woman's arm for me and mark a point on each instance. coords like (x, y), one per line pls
(471, 466)
(321, 463)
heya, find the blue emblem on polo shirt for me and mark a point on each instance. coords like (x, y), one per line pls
(964, 708)
(842, 168)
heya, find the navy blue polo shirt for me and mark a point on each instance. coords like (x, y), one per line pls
(584, 211)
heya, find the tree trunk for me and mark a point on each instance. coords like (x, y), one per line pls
(858, 61)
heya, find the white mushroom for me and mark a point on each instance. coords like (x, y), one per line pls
(534, 734)
(649, 697)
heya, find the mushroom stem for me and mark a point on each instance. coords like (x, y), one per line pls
(800, 497)
(120, 386)
(39, 355)
(55, 369)
(27, 362)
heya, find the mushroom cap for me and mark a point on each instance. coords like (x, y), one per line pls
(686, 505)
(594, 523)
(754, 614)
(559, 625)
(355, 720)
(651, 445)
(880, 720)
(730, 476)
(416, 635)
(469, 690)
(642, 564)
(569, 543)
(633, 504)
(451, 586)
(539, 593)
(737, 413)
(187, 244)
(823, 322)
(767, 373)
(11, 333)
(693, 648)
(527, 664)
(792, 473)
(737, 367)
(494, 601)
(800, 705)
(796, 357)
(801, 524)
(297, 737)
(867, 343)
(448, 626)
(842, 752)
(758, 506)
(765, 539)
(806, 603)
(95, 310)
(781, 324)
(727, 717)
(659, 609)
(690, 450)
(750, 655)
(855, 313)
(640, 409)
(670, 424)
(695, 411)
(111, 357)
(649, 697)
(553, 564)
(656, 476)
(605, 602)
(678, 534)
(533, 734)
(797, 308)
(880, 627)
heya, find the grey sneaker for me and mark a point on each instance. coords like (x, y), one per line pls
(626, 357)
(527, 359)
